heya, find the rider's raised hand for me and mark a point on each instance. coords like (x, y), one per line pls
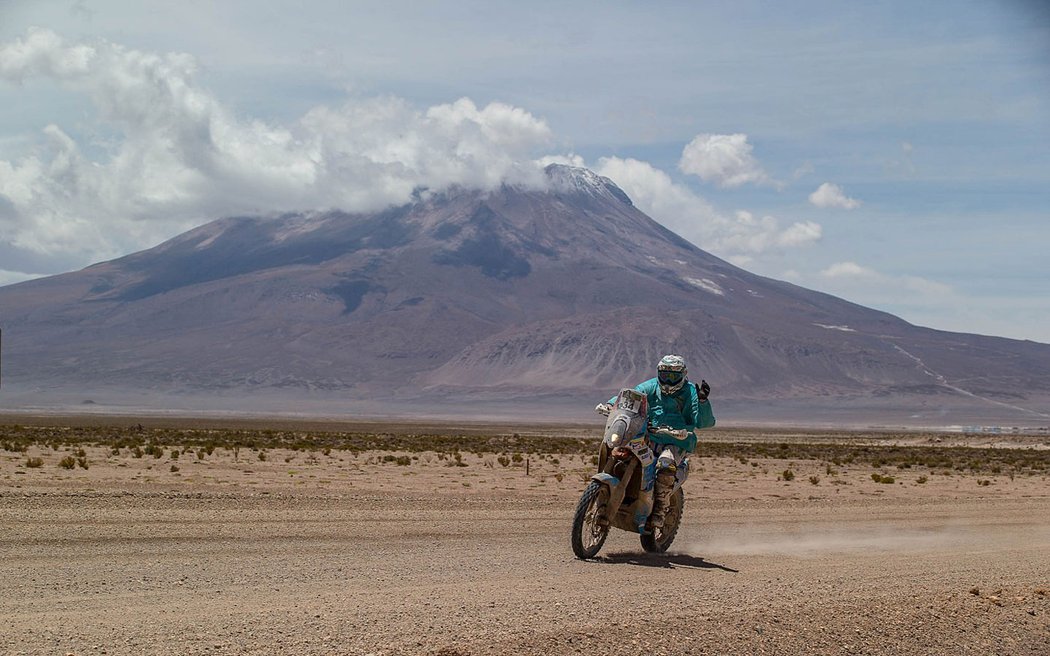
(705, 389)
(603, 409)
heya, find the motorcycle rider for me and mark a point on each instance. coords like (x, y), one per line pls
(676, 409)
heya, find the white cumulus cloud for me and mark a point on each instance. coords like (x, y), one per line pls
(831, 195)
(181, 157)
(724, 159)
(736, 237)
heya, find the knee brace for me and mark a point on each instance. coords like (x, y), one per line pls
(666, 476)
(666, 465)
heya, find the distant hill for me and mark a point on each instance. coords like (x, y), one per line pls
(473, 302)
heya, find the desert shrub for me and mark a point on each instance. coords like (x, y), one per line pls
(83, 462)
(33, 463)
(921, 480)
(67, 463)
(174, 454)
(403, 461)
(983, 482)
(787, 474)
(389, 458)
(504, 461)
(137, 452)
(174, 468)
(817, 446)
(879, 478)
(262, 456)
(815, 480)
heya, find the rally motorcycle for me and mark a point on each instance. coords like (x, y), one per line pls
(620, 495)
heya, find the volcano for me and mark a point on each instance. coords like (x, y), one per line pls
(517, 298)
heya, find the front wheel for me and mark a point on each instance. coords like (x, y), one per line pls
(588, 535)
(659, 540)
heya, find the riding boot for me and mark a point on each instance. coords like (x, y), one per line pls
(661, 497)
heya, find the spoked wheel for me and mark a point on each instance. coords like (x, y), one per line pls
(660, 539)
(587, 535)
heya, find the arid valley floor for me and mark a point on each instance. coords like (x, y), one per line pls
(207, 537)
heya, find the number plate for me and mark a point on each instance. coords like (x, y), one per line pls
(630, 400)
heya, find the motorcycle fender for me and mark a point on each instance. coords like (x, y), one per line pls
(608, 479)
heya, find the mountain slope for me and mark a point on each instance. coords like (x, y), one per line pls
(565, 292)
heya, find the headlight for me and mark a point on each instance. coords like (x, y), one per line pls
(616, 432)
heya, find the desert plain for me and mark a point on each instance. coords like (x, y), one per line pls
(190, 536)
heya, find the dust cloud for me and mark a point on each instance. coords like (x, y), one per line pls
(815, 543)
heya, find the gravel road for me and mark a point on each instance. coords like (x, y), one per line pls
(107, 566)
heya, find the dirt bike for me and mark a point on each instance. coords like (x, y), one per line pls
(620, 495)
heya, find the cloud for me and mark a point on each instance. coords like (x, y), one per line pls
(848, 270)
(798, 234)
(737, 236)
(182, 158)
(931, 303)
(831, 195)
(11, 277)
(572, 159)
(856, 275)
(724, 159)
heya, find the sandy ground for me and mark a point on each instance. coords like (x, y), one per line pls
(341, 554)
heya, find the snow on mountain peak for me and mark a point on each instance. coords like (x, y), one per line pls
(581, 180)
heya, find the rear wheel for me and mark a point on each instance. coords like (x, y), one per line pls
(588, 535)
(659, 540)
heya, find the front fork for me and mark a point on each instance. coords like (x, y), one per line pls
(606, 515)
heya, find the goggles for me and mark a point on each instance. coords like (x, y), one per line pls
(669, 377)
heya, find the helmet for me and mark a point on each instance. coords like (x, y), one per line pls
(671, 373)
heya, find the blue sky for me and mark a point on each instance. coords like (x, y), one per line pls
(925, 125)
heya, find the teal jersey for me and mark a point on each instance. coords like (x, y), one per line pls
(681, 410)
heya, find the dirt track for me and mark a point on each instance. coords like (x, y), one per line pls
(337, 558)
